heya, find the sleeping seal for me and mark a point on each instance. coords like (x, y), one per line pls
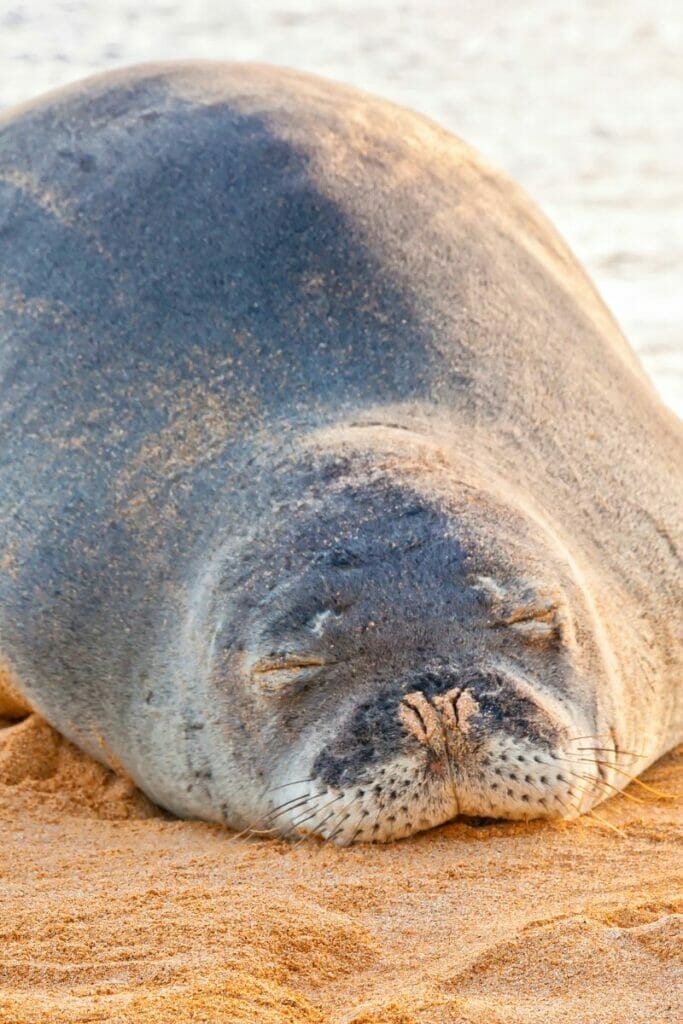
(332, 499)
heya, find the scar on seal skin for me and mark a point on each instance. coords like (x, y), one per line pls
(333, 502)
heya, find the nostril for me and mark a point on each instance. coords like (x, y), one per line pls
(446, 705)
(414, 722)
(466, 707)
(419, 717)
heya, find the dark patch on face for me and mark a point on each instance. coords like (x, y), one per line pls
(433, 682)
(373, 733)
(503, 709)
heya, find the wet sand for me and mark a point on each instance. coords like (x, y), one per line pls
(112, 912)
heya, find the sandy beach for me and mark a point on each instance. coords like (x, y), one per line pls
(112, 911)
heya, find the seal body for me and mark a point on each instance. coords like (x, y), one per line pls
(332, 500)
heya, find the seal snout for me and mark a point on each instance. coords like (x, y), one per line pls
(495, 738)
(481, 705)
(430, 721)
(450, 741)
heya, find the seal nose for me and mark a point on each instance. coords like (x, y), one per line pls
(457, 708)
(447, 712)
(484, 708)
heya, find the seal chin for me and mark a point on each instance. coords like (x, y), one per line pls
(490, 747)
(392, 803)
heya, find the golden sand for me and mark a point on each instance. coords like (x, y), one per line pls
(113, 912)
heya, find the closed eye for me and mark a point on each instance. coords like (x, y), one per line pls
(540, 612)
(281, 672)
(539, 624)
(536, 617)
(286, 663)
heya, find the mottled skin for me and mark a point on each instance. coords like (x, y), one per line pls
(331, 497)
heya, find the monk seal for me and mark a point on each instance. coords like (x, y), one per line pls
(333, 501)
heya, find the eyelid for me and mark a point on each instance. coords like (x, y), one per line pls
(280, 673)
(537, 616)
(287, 662)
(538, 611)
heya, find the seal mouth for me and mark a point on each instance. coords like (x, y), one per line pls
(488, 748)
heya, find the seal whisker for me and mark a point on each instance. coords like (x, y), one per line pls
(603, 821)
(300, 821)
(333, 835)
(295, 782)
(636, 781)
(596, 736)
(338, 814)
(289, 805)
(575, 759)
(611, 750)
(249, 831)
(305, 838)
(605, 764)
(596, 780)
(580, 789)
(357, 831)
(583, 760)
(323, 822)
(572, 809)
(375, 824)
(293, 825)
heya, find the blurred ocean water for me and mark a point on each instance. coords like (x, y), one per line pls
(581, 103)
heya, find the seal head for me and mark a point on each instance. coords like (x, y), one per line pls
(401, 651)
